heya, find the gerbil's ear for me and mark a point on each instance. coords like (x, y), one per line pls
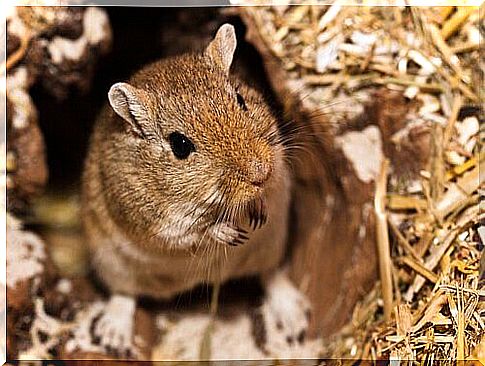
(130, 104)
(221, 49)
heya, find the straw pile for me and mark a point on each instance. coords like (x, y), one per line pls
(429, 303)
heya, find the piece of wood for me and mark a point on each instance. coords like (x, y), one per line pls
(383, 240)
(453, 23)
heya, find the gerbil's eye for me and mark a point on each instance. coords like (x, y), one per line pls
(181, 145)
(241, 102)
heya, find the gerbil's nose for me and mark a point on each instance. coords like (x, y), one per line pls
(259, 172)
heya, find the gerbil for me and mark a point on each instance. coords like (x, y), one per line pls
(186, 182)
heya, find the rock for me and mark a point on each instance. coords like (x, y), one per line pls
(45, 311)
(64, 44)
(26, 164)
(27, 265)
(57, 47)
(29, 273)
(59, 322)
(84, 345)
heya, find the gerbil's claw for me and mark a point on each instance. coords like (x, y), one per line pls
(256, 223)
(257, 214)
(235, 243)
(242, 233)
(241, 238)
(226, 233)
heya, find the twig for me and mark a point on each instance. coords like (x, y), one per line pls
(445, 50)
(455, 110)
(437, 252)
(404, 319)
(365, 63)
(436, 182)
(458, 192)
(205, 349)
(215, 298)
(452, 24)
(402, 240)
(385, 69)
(460, 169)
(422, 246)
(419, 268)
(454, 81)
(431, 87)
(466, 47)
(399, 202)
(427, 312)
(14, 58)
(383, 240)
(395, 282)
(445, 12)
(457, 83)
(460, 336)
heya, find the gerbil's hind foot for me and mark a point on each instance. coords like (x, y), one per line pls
(226, 233)
(114, 327)
(286, 313)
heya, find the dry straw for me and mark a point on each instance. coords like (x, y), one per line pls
(429, 303)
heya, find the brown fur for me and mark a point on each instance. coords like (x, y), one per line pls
(148, 215)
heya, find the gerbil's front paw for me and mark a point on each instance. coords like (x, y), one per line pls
(114, 328)
(286, 312)
(226, 233)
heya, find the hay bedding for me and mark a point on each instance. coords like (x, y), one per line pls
(433, 286)
(429, 303)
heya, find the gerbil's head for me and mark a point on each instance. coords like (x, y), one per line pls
(205, 146)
